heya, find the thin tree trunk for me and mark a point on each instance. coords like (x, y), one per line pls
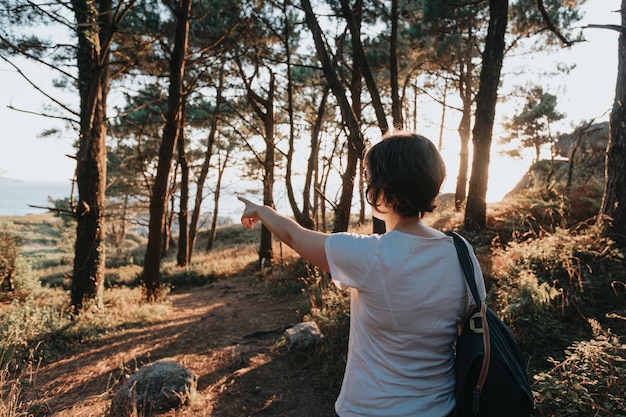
(362, 199)
(486, 100)
(362, 69)
(183, 231)
(396, 103)
(94, 31)
(302, 216)
(158, 200)
(356, 82)
(204, 170)
(354, 24)
(264, 109)
(120, 234)
(464, 136)
(311, 177)
(355, 139)
(216, 200)
(444, 106)
(166, 233)
(612, 217)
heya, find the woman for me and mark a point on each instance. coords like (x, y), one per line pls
(408, 292)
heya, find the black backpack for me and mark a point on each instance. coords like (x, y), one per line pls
(491, 381)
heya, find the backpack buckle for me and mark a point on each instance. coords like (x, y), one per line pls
(476, 323)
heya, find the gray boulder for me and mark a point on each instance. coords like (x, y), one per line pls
(157, 387)
(303, 336)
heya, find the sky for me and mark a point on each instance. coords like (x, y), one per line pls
(587, 92)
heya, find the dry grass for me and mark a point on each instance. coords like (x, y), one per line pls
(202, 327)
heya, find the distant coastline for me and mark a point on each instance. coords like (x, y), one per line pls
(17, 196)
(5, 179)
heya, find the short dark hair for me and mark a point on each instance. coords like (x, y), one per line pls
(408, 170)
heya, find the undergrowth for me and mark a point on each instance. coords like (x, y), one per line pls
(588, 382)
(559, 286)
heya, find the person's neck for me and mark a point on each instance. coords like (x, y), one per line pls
(401, 224)
(409, 225)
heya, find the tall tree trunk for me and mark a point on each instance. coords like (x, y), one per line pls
(612, 217)
(264, 109)
(118, 232)
(168, 215)
(303, 217)
(182, 256)
(464, 135)
(444, 106)
(356, 80)
(362, 200)
(94, 31)
(158, 200)
(396, 103)
(353, 18)
(312, 169)
(221, 167)
(266, 252)
(361, 68)
(486, 100)
(355, 139)
(204, 170)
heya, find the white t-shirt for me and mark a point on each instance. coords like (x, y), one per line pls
(408, 294)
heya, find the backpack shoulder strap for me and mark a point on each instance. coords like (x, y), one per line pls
(467, 265)
(468, 271)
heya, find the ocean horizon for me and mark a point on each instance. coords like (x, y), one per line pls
(17, 197)
(20, 198)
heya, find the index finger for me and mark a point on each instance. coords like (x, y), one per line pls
(243, 200)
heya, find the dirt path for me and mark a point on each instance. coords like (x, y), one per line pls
(206, 332)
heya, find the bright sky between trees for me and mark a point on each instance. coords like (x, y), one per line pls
(586, 93)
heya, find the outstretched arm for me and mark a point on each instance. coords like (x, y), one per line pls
(308, 243)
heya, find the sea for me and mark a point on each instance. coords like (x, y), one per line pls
(18, 198)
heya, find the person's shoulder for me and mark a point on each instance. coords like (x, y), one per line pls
(357, 237)
(354, 241)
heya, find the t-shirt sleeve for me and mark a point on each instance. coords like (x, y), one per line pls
(349, 258)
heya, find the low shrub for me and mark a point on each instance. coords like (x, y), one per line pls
(9, 252)
(588, 382)
(330, 309)
(545, 287)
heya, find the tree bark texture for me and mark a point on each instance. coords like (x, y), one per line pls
(355, 139)
(354, 24)
(158, 200)
(182, 257)
(396, 103)
(204, 170)
(264, 109)
(303, 217)
(362, 69)
(486, 100)
(221, 167)
(312, 179)
(94, 32)
(464, 136)
(612, 218)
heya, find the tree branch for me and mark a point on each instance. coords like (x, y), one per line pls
(548, 22)
(35, 58)
(36, 87)
(54, 209)
(49, 116)
(616, 28)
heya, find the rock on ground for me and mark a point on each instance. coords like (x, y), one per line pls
(160, 386)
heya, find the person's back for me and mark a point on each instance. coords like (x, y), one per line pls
(407, 299)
